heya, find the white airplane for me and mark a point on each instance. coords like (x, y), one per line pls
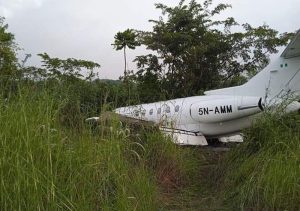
(225, 112)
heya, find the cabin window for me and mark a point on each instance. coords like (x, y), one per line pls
(177, 108)
(168, 110)
(143, 112)
(136, 113)
(151, 111)
(158, 110)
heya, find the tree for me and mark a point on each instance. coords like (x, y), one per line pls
(122, 41)
(8, 60)
(62, 69)
(198, 52)
(148, 78)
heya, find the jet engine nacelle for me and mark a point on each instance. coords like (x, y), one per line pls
(221, 110)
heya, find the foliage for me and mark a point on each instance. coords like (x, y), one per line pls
(8, 60)
(197, 52)
(51, 160)
(60, 69)
(123, 40)
(45, 165)
(148, 77)
(263, 173)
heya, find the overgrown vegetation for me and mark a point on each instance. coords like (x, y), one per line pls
(263, 173)
(45, 165)
(51, 160)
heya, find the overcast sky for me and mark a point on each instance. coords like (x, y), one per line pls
(85, 29)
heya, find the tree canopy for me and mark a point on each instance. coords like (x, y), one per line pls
(8, 60)
(123, 40)
(62, 69)
(195, 52)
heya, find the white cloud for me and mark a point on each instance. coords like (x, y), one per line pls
(9, 7)
(5, 12)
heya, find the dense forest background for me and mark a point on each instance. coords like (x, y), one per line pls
(191, 52)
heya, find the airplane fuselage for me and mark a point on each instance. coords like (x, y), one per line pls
(210, 116)
(229, 110)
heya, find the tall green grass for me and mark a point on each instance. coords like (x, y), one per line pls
(51, 160)
(46, 164)
(264, 172)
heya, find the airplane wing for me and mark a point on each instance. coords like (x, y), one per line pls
(179, 136)
(108, 116)
(293, 48)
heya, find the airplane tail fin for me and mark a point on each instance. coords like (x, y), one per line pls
(280, 77)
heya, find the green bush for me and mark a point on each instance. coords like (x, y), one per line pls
(264, 172)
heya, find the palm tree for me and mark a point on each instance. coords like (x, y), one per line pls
(122, 41)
